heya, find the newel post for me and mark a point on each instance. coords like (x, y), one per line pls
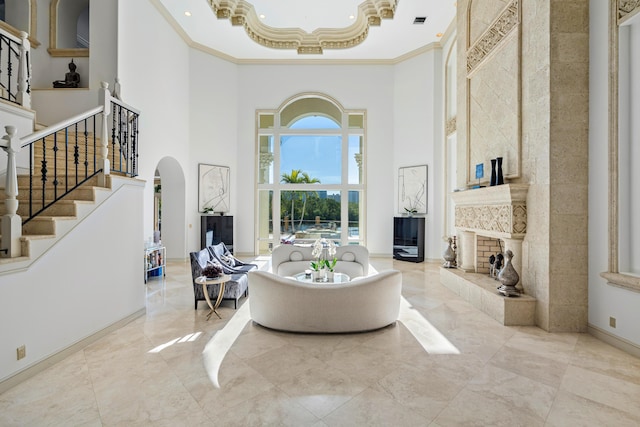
(11, 221)
(24, 72)
(105, 100)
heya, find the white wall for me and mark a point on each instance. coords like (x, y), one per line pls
(213, 139)
(223, 101)
(103, 32)
(155, 80)
(354, 87)
(48, 310)
(418, 135)
(17, 14)
(604, 300)
(54, 105)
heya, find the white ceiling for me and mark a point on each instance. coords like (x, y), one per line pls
(389, 41)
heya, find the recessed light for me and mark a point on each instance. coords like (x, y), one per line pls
(439, 35)
(262, 16)
(352, 17)
(187, 13)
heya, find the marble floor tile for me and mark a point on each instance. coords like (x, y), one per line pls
(154, 370)
(610, 391)
(570, 409)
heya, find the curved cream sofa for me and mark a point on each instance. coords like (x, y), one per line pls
(289, 260)
(359, 305)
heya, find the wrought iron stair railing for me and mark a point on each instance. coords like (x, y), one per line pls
(59, 159)
(14, 57)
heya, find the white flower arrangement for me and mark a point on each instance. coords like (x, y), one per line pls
(320, 245)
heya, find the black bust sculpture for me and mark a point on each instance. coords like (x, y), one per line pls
(71, 79)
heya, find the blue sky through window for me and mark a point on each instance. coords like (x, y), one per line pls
(318, 155)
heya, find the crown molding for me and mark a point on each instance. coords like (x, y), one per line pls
(297, 61)
(241, 12)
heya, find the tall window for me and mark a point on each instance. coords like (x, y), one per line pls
(310, 173)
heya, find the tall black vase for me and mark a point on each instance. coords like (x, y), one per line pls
(500, 179)
(494, 179)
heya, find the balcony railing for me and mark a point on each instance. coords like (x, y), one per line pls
(15, 69)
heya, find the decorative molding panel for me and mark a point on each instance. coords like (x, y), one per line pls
(499, 211)
(493, 220)
(451, 126)
(241, 12)
(495, 34)
(627, 8)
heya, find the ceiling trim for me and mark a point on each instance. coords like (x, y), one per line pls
(298, 61)
(241, 12)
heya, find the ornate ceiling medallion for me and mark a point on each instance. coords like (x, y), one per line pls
(627, 7)
(241, 12)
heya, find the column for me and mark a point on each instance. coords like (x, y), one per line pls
(466, 251)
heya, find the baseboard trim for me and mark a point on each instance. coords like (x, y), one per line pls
(48, 361)
(618, 342)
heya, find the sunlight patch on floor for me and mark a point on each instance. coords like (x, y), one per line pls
(424, 332)
(218, 346)
(187, 338)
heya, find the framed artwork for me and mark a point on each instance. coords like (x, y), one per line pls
(213, 188)
(412, 189)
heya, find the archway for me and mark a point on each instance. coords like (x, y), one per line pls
(173, 201)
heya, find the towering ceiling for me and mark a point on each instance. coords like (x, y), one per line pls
(302, 30)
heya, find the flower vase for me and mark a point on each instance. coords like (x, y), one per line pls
(500, 178)
(494, 178)
(329, 276)
(315, 275)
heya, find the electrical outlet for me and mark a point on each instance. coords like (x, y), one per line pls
(612, 322)
(21, 352)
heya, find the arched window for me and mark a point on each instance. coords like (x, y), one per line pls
(311, 182)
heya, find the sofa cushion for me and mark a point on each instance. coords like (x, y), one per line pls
(292, 268)
(228, 260)
(203, 258)
(296, 256)
(348, 256)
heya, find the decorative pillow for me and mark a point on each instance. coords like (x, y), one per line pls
(348, 256)
(228, 260)
(212, 270)
(296, 256)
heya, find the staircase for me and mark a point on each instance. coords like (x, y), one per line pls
(61, 176)
(45, 229)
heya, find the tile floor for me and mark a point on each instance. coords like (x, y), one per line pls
(159, 370)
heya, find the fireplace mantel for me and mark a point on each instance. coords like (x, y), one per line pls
(499, 211)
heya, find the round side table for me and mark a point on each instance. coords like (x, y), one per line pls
(205, 281)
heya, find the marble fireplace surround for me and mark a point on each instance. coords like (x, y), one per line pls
(499, 212)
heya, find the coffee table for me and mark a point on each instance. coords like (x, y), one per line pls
(337, 278)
